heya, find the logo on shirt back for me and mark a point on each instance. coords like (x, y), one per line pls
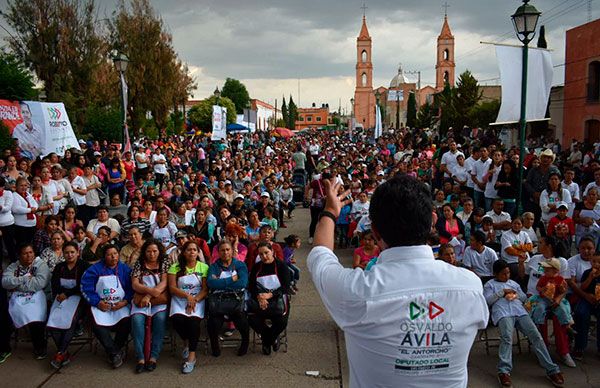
(417, 310)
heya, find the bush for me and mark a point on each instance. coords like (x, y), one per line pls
(104, 123)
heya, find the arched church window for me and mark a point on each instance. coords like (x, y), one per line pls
(364, 56)
(364, 79)
(446, 76)
(446, 54)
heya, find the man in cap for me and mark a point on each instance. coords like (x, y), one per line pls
(536, 182)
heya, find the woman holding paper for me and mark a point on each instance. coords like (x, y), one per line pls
(67, 307)
(149, 308)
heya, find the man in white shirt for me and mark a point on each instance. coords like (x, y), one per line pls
(478, 171)
(501, 219)
(494, 170)
(449, 159)
(469, 163)
(78, 187)
(409, 321)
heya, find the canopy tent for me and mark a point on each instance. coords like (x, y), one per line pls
(283, 132)
(235, 127)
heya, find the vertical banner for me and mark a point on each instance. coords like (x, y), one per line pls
(124, 92)
(539, 82)
(39, 128)
(378, 127)
(219, 120)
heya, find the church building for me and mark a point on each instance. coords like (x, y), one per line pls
(394, 99)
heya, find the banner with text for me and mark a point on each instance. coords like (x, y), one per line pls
(395, 95)
(40, 128)
(219, 123)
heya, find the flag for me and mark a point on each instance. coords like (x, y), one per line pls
(539, 82)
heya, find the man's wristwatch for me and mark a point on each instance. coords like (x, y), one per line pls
(328, 214)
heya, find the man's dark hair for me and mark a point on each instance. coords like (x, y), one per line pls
(479, 236)
(401, 211)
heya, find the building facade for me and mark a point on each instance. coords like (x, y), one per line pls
(265, 114)
(314, 117)
(581, 119)
(364, 98)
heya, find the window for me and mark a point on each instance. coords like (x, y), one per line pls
(364, 56)
(300, 118)
(318, 118)
(309, 118)
(446, 55)
(593, 94)
(446, 77)
(364, 79)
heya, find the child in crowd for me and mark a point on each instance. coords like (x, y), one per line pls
(80, 238)
(367, 250)
(448, 255)
(586, 307)
(552, 289)
(342, 226)
(491, 240)
(292, 242)
(561, 217)
(269, 219)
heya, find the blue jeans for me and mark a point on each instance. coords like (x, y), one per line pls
(488, 204)
(479, 199)
(510, 207)
(543, 305)
(138, 329)
(582, 314)
(526, 326)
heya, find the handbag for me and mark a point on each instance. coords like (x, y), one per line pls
(226, 302)
(275, 306)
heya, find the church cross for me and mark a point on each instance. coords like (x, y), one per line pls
(445, 6)
(364, 8)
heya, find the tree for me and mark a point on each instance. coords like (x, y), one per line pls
(284, 113)
(292, 114)
(6, 140)
(236, 92)
(16, 82)
(59, 41)
(200, 115)
(156, 78)
(465, 97)
(484, 113)
(426, 117)
(411, 111)
(444, 101)
(104, 123)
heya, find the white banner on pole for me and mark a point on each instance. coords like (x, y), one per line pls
(378, 126)
(539, 82)
(219, 120)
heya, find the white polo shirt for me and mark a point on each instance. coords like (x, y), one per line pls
(409, 321)
(481, 263)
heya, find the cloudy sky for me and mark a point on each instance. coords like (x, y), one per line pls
(272, 46)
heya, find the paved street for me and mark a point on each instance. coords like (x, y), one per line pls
(315, 344)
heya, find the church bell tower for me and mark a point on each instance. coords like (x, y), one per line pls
(444, 68)
(364, 98)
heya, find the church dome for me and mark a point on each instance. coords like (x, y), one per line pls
(399, 79)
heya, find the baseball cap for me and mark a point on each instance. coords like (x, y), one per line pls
(563, 205)
(239, 196)
(265, 194)
(96, 153)
(81, 141)
(552, 263)
(227, 182)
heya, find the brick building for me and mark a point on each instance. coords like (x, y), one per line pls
(313, 117)
(582, 84)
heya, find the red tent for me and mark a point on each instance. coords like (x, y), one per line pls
(283, 132)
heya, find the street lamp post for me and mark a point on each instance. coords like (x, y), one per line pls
(398, 109)
(121, 61)
(351, 126)
(525, 21)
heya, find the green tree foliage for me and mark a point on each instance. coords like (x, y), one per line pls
(59, 41)
(156, 78)
(481, 115)
(175, 124)
(6, 141)
(411, 111)
(444, 101)
(200, 115)
(292, 114)
(16, 82)
(284, 114)
(236, 92)
(104, 123)
(465, 96)
(426, 117)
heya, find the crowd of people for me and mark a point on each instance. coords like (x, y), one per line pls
(184, 227)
